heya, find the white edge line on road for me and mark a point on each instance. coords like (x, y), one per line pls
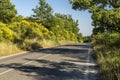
(24, 52)
(9, 70)
(86, 74)
(14, 55)
(6, 72)
(3, 57)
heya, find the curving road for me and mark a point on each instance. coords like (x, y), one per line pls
(67, 62)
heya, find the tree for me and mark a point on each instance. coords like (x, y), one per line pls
(92, 4)
(64, 21)
(105, 13)
(107, 20)
(43, 11)
(7, 11)
(61, 22)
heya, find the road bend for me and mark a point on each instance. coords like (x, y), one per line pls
(66, 62)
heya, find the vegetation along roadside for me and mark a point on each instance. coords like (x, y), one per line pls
(105, 15)
(41, 29)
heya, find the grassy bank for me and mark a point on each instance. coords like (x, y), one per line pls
(8, 49)
(107, 52)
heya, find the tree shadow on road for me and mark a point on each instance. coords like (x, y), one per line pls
(76, 51)
(50, 70)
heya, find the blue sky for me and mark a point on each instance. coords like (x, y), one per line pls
(24, 8)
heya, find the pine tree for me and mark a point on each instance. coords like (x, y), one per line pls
(43, 11)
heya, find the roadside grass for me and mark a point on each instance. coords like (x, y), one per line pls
(29, 44)
(107, 53)
(8, 49)
(62, 42)
(47, 43)
(32, 44)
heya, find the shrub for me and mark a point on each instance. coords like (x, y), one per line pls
(107, 52)
(30, 44)
(6, 33)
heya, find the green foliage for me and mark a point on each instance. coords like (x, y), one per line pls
(105, 13)
(7, 11)
(42, 29)
(93, 5)
(6, 33)
(30, 30)
(18, 18)
(67, 22)
(107, 20)
(20, 28)
(87, 38)
(63, 24)
(80, 38)
(107, 39)
(42, 11)
(57, 24)
(107, 51)
(81, 4)
(40, 32)
(26, 31)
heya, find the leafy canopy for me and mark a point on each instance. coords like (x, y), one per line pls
(7, 11)
(105, 13)
(90, 4)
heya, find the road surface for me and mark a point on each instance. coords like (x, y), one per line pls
(67, 62)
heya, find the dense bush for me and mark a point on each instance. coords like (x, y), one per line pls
(107, 52)
(62, 34)
(107, 38)
(28, 31)
(23, 32)
(6, 33)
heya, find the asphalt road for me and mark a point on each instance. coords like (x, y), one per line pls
(67, 62)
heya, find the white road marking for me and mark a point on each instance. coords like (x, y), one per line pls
(14, 55)
(87, 71)
(6, 71)
(9, 70)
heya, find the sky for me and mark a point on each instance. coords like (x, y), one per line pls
(24, 8)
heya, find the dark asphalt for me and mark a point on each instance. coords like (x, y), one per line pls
(67, 62)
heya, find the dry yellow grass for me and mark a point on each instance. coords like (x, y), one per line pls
(8, 49)
(47, 43)
(62, 42)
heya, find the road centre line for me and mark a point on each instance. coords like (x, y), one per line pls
(9, 70)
